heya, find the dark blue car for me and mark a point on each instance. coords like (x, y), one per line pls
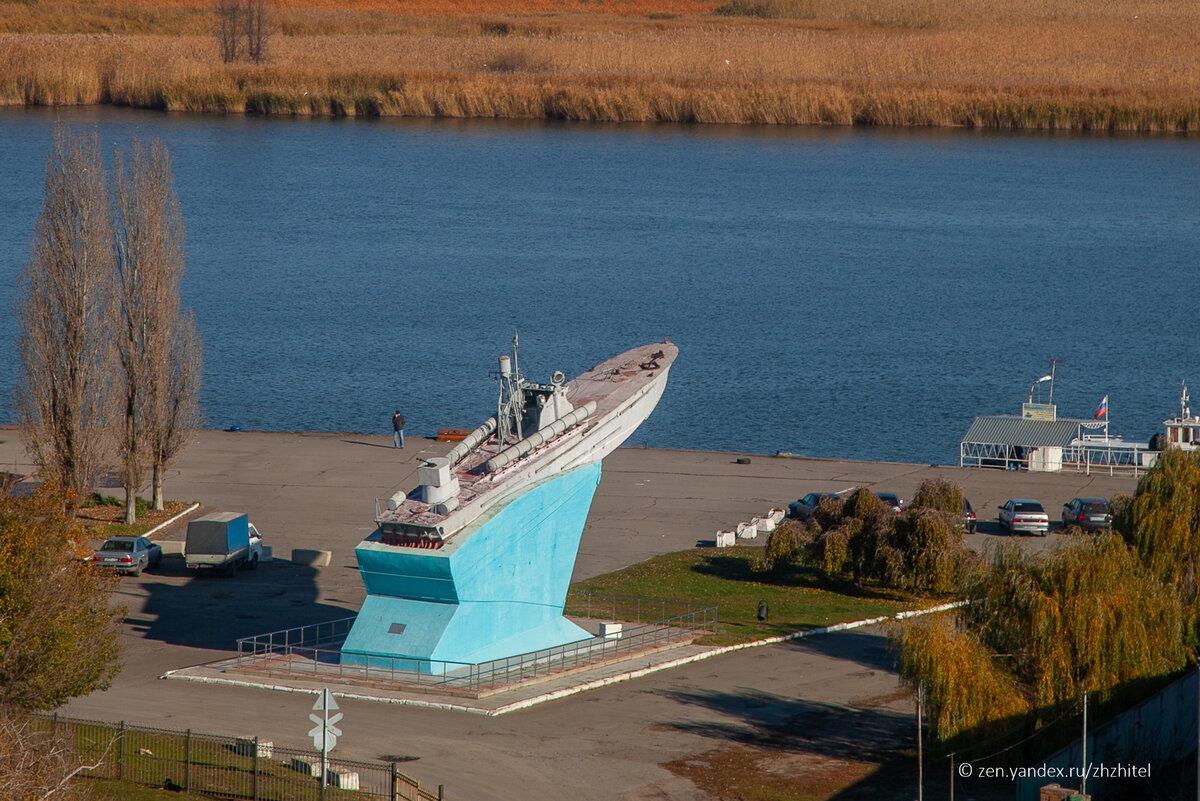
(804, 508)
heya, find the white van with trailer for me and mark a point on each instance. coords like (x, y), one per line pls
(222, 541)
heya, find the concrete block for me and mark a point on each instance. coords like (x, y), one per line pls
(170, 547)
(748, 531)
(307, 765)
(342, 778)
(777, 515)
(268, 553)
(610, 631)
(726, 539)
(308, 557)
(245, 747)
(765, 525)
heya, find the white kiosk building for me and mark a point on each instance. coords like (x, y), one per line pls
(1038, 441)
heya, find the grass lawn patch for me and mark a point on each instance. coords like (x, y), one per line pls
(796, 601)
(113, 790)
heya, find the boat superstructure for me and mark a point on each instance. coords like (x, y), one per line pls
(1183, 431)
(473, 564)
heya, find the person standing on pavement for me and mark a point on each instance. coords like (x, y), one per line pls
(398, 430)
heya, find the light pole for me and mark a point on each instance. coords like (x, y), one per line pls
(920, 743)
(1035, 383)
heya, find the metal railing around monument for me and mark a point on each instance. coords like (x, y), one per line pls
(313, 652)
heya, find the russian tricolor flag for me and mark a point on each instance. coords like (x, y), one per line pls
(1102, 409)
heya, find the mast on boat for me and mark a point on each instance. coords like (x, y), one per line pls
(510, 408)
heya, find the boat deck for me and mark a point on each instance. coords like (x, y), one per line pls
(609, 385)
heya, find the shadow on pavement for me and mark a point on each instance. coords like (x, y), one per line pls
(368, 444)
(863, 648)
(795, 725)
(213, 611)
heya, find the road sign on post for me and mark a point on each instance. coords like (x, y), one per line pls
(325, 733)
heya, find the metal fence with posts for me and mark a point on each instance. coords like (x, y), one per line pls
(313, 651)
(229, 767)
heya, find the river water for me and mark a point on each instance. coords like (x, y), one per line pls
(854, 293)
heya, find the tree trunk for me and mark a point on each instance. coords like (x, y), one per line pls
(158, 485)
(130, 505)
(129, 451)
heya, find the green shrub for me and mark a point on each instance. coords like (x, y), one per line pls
(96, 499)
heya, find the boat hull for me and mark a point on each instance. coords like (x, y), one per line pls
(495, 590)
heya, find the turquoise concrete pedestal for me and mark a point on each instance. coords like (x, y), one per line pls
(495, 590)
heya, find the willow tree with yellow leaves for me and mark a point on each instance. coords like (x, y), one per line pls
(1042, 630)
(958, 672)
(1162, 523)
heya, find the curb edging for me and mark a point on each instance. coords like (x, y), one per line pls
(687, 660)
(569, 691)
(166, 523)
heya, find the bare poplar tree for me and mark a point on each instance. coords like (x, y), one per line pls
(229, 29)
(256, 29)
(64, 297)
(149, 251)
(156, 345)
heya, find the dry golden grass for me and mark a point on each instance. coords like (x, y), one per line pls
(1075, 64)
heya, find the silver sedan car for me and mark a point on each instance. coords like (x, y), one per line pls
(128, 555)
(1019, 514)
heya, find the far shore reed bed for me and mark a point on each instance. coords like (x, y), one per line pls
(1059, 64)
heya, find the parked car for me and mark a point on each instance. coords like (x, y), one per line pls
(1090, 514)
(804, 508)
(893, 500)
(128, 555)
(222, 541)
(968, 517)
(1024, 515)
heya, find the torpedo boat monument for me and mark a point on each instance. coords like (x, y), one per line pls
(474, 563)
